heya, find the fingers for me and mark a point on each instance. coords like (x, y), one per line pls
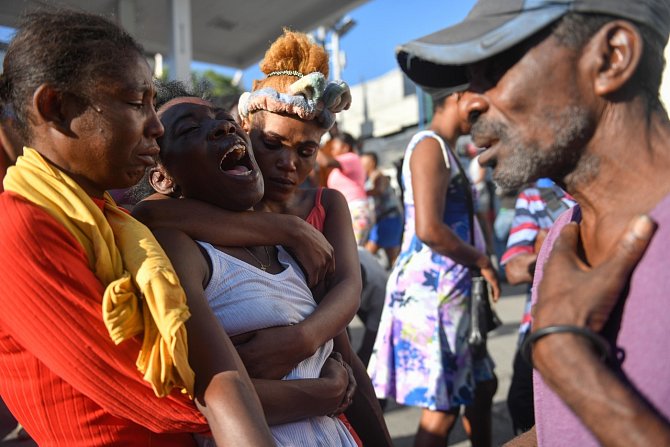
(351, 389)
(568, 239)
(491, 278)
(351, 386)
(331, 268)
(628, 251)
(495, 286)
(564, 252)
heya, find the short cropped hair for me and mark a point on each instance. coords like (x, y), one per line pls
(575, 29)
(67, 49)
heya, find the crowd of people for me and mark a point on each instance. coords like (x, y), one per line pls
(212, 307)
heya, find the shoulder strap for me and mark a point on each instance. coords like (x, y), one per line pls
(469, 200)
(319, 193)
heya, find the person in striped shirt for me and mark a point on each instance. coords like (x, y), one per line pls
(536, 209)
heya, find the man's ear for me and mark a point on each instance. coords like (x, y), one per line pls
(617, 49)
(161, 181)
(55, 108)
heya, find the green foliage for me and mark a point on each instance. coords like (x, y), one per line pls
(219, 85)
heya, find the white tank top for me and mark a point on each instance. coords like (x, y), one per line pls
(245, 298)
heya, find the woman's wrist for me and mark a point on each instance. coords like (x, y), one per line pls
(306, 338)
(483, 262)
(291, 229)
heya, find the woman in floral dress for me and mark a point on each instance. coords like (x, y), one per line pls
(421, 356)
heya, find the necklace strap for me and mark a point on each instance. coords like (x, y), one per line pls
(262, 266)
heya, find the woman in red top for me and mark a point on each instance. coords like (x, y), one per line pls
(83, 97)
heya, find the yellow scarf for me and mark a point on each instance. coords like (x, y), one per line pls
(129, 262)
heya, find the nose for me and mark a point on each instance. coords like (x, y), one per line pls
(472, 105)
(221, 129)
(287, 160)
(154, 128)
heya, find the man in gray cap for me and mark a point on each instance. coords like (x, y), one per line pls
(569, 90)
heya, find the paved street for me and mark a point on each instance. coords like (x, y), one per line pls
(403, 421)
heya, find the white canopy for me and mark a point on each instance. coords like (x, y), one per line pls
(233, 33)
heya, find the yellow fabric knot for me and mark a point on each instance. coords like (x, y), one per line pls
(120, 310)
(142, 292)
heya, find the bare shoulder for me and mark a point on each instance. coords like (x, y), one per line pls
(427, 150)
(333, 200)
(183, 252)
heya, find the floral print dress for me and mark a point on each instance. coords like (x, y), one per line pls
(421, 355)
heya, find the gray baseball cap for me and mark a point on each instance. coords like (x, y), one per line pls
(438, 60)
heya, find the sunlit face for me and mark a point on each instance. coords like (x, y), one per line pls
(530, 112)
(368, 164)
(339, 147)
(116, 132)
(208, 155)
(286, 149)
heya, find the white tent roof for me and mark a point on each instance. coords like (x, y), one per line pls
(234, 33)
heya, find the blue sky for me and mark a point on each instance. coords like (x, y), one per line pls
(381, 25)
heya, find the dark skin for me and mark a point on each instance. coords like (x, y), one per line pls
(310, 248)
(197, 137)
(285, 148)
(10, 146)
(107, 142)
(599, 253)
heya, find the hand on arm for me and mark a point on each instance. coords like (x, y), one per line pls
(342, 297)
(521, 268)
(272, 353)
(568, 363)
(206, 222)
(292, 400)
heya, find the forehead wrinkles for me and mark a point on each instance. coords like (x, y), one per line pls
(292, 130)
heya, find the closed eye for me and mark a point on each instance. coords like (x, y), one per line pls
(185, 130)
(272, 144)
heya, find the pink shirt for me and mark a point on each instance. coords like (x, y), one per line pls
(639, 335)
(350, 178)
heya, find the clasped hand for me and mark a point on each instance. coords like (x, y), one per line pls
(572, 292)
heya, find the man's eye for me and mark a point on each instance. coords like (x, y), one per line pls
(136, 105)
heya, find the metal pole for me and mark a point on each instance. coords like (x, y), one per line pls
(181, 48)
(335, 51)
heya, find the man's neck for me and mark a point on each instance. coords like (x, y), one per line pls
(632, 159)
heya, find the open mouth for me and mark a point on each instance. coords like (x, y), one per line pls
(488, 155)
(236, 160)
